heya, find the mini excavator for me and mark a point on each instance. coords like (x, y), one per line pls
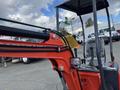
(56, 48)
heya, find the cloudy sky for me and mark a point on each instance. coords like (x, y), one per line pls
(42, 12)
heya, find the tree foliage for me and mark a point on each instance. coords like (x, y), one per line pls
(89, 22)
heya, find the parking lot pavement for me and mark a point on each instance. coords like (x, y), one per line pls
(38, 75)
(116, 51)
(35, 76)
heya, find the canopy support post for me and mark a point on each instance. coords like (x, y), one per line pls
(57, 18)
(109, 25)
(83, 32)
(103, 85)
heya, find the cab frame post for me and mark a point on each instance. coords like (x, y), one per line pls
(103, 85)
(109, 26)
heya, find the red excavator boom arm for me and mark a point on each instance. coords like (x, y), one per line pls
(53, 49)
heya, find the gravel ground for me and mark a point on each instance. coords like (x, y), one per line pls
(38, 75)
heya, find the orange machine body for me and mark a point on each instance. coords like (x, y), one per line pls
(61, 60)
(90, 80)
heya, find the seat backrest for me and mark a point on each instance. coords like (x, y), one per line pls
(91, 44)
(91, 56)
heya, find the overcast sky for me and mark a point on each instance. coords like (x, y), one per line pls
(42, 12)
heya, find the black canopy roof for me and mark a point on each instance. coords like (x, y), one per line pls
(82, 7)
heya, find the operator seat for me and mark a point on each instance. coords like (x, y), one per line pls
(91, 57)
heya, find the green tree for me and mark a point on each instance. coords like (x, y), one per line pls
(89, 22)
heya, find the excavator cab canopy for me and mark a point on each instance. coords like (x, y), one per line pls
(82, 7)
